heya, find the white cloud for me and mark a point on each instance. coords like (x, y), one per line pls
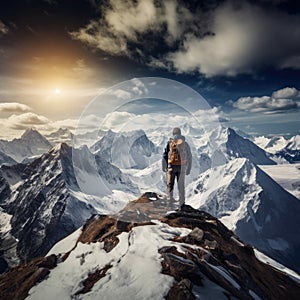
(244, 37)
(117, 120)
(121, 94)
(139, 88)
(124, 22)
(287, 92)
(212, 115)
(97, 35)
(14, 107)
(124, 121)
(281, 100)
(127, 18)
(26, 120)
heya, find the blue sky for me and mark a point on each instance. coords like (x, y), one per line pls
(243, 57)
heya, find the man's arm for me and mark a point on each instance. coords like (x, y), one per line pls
(189, 159)
(164, 160)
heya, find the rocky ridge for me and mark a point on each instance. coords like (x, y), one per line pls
(195, 256)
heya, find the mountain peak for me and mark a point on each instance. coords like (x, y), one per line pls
(190, 251)
(30, 133)
(60, 147)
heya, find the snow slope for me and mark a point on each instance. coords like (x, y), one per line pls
(138, 247)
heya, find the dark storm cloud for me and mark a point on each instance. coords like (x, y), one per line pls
(235, 37)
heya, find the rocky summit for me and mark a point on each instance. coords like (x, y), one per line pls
(146, 253)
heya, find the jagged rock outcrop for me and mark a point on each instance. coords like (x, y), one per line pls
(186, 254)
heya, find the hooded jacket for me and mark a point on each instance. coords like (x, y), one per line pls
(188, 153)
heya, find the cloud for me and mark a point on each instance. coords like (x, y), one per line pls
(287, 92)
(3, 28)
(234, 37)
(243, 38)
(14, 107)
(281, 101)
(122, 94)
(26, 120)
(123, 120)
(128, 22)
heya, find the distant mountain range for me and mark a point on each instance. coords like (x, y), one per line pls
(289, 149)
(63, 187)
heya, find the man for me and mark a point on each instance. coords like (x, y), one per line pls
(177, 162)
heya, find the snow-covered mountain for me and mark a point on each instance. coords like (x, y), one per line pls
(277, 143)
(62, 135)
(288, 149)
(46, 203)
(291, 152)
(249, 202)
(126, 150)
(30, 144)
(220, 145)
(272, 144)
(184, 255)
(294, 143)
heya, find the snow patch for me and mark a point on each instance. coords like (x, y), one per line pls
(140, 246)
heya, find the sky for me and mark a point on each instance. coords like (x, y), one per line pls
(242, 56)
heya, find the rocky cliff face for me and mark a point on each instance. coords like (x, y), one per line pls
(186, 254)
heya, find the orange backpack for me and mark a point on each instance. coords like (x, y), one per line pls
(177, 153)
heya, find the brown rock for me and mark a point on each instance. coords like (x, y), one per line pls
(179, 267)
(182, 290)
(48, 262)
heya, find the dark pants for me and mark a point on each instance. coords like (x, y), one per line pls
(178, 173)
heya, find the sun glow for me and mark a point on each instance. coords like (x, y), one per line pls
(57, 91)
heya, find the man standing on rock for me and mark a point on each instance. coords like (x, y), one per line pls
(177, 162)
